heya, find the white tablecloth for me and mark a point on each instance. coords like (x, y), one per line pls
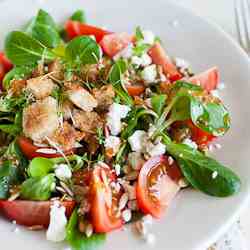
(222, 13)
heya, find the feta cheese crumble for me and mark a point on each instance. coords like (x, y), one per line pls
(137, 140)
(148, 37)
(63, 172)
(214, 174)
(149, 74)
(126, 53)
(115, 114)
(135, 160)
(215, 93)
(190, 143)
(155, 149)
(58, 221)
(113, 142)
(181, 63)
(143, 61)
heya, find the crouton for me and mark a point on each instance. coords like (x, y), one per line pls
(80, 97)
(40, 119)
(40, 87)
(104, 96)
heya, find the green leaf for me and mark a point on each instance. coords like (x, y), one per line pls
(79, 16)
(140, 49)
(158, 102)
(9, 175)
(83, 50)
(18, 72)
(214, 119)
(78, 241)
(133, 120)
(22, 49)
(198, 169)
(40, 167)
(138, 34)
(38, 188)
(44, 29)
(115, 78)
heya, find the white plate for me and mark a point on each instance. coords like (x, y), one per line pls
(194, 220)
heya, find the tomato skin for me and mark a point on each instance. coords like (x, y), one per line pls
(102, 220)
(159, 57)
(29, 149)
(209, 79)
(135, 90)
(5, 62)
(170, 187)
(115, 42)
(75, 28)
(200, 137)
(31, 213)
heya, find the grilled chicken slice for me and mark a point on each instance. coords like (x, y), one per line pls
(17, 87)
(40, 87)
(87, 121)
(66, 136)
(40, 119)
(80, 97)
(104, 96)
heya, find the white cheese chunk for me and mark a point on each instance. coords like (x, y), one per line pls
(149, 74)
(137, 140)
(63, 172)
(126, 53)
(113, 142)
(148, 37)
(155, 149)
(115, 114)
(58, 221)
(143, 61)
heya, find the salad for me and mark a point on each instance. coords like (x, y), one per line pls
(100, 129)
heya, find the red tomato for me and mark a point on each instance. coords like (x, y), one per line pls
(157, 185)
(199, 136)
(2, 72)
(31, 213)
(5, 62)
(208, 79)
(160, 57)
(135, 90)
(104, 202)
(113, 43)
(29, 149)
(75, 28)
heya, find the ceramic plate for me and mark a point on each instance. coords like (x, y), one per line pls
(194, 220)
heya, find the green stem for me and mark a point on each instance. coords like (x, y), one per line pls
(76, 158)
(164, 126)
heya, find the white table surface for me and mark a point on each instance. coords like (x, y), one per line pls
(222, 13)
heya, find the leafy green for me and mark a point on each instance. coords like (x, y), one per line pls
(79, 16)
(133, 120)
(9, 175)
(75, 161)
(82, 50)
(186, 101)
(199, 170)
(40, 167)
(44, 29)
(138, 34)
(11, 103)
(79, 241)
(158, 102)
(115, 78)
(13, 128)
(18, 72)
(100, 135)
(22, 49)
(38, 188)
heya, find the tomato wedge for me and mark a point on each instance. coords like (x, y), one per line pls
(29, 149)
(135, 90)
(200, 137)
(5, 62)
(75, 28)
(157, 185)
(209, 79)
(31, 213)
(159, 57)
(103, 202)
(115, 42)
